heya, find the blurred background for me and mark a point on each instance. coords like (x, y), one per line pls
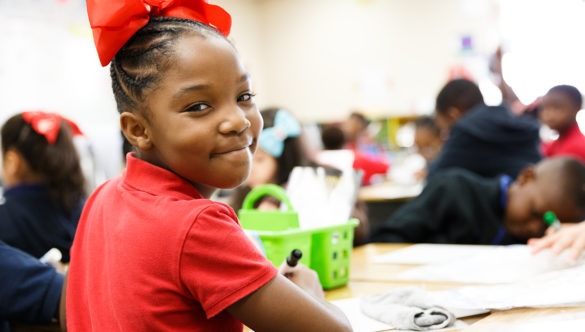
(321, 59)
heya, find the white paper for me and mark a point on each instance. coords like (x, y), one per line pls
(499, 264)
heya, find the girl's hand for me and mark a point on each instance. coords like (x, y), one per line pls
(570, 238)
(305, 278)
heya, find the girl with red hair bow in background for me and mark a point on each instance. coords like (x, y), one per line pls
(152, 251)
(44, 186)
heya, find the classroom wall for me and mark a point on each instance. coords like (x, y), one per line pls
(323, 58)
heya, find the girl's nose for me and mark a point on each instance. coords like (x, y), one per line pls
(235, 123)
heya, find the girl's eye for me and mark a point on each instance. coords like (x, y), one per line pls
(246, 97)
(197, 108)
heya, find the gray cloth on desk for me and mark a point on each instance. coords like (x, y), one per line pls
(407, 308)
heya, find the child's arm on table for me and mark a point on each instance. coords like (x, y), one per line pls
(570, 238)
(294, 304)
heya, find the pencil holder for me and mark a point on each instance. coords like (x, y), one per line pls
(277, 229)
(327, 250)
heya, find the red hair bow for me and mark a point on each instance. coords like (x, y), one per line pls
(48, 124)
(114, 22)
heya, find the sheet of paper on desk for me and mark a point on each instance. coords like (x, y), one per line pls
(495, 265)
(362, 323)
(556, 288)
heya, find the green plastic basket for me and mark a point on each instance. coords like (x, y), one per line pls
(327, 250)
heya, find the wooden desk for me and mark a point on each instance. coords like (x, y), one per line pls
(389, 191)
(367, 277)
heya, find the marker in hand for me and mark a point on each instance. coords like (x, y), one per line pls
(292, 260)
(551, 220)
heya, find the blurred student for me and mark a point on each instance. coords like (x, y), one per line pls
(457, 206)
(30, 291)
(374, 169)
(559, 112)
(427, 141)
(168, 257)
(358, 137)
(485, 140)
(44, 184)
(570, 238)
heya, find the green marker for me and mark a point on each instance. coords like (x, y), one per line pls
(551, 219)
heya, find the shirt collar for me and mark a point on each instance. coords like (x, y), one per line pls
(147, 177)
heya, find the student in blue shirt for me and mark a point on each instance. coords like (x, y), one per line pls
(44, 186)
(30, 291)
(460, 207)
(485, 140)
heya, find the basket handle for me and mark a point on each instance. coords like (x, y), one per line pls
(266, 190)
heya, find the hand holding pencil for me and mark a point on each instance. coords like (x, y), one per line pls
(301, 275)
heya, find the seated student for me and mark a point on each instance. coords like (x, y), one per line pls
(30, 291)
(559, 112)
(44, 184)
(427, 140)
(153, 251)
(357, 136)
(569, 238)
(373, 167)
(485, 140)
(457, 206)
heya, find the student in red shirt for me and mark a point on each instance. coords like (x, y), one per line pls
(152, 251)
(559, 110)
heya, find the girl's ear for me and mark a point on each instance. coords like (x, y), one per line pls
(15, 169)
(134, 128)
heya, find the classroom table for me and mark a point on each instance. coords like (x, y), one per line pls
(367, 277)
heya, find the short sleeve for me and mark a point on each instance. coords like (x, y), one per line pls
(219, 263)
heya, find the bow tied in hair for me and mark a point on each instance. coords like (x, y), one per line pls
(114, 22)
(48, 124)
(285, 126)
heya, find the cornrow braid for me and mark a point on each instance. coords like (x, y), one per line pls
(148, 54)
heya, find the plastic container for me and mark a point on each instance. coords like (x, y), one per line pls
(327, 250)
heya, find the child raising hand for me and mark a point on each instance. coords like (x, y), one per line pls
(153, 252)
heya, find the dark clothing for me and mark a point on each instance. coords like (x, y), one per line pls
(490, 141)
(456, 206)
(33, 223)
(30, 291)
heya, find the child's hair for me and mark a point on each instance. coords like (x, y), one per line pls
(460, 93)
(332, 137)
(142, 60)
(364, 122)
(429, 123)
(571, 92)
(57, 163)
(572, 173)
(294, 152)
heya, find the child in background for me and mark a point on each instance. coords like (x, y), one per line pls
(374, 169)
(152, 251)
(559, 112)
(486, 140)
(31, 291)
(44, 184)
(460, 207)
(427, 140)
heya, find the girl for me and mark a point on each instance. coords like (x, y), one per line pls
(153, 252)
(44, 183)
